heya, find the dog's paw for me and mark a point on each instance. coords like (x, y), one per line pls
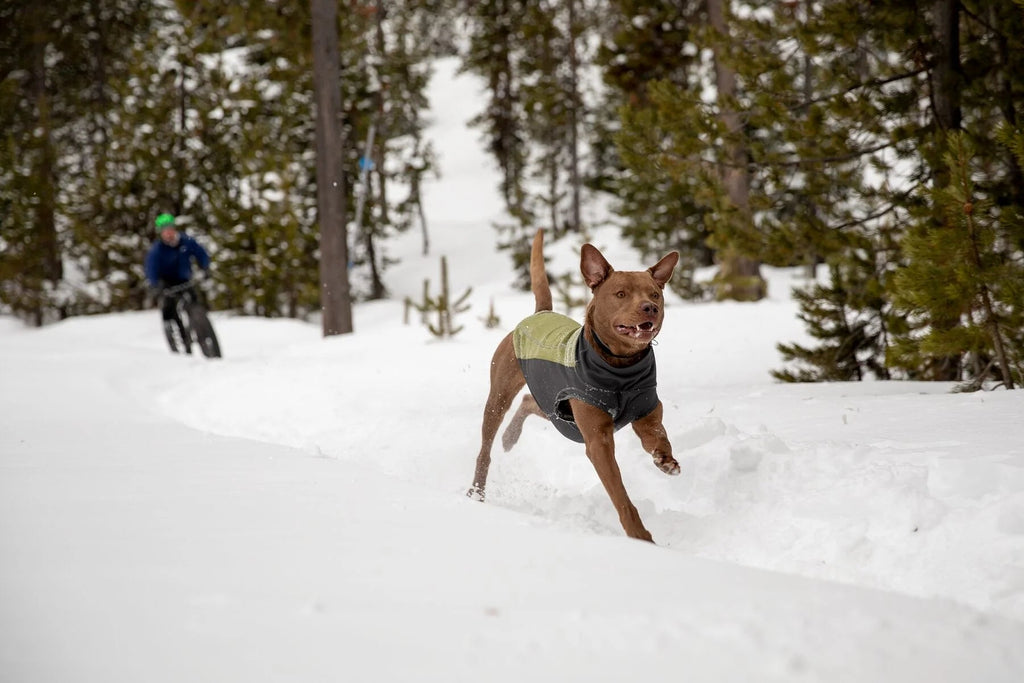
(511, 435)
(666, 463)
(475, 493)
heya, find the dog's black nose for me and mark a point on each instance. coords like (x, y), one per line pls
(649, 308)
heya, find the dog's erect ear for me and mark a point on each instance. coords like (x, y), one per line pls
(593, 265)
(662, 270)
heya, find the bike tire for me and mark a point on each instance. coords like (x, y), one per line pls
(185, 322)
(202, 331)
(177, 336)
(170, 333)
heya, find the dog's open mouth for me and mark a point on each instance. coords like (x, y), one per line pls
(640, 331)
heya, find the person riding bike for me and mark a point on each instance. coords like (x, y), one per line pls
(169, 263)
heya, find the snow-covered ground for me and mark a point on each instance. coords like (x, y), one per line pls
(296, 510)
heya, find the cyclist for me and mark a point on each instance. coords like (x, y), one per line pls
(169, 262)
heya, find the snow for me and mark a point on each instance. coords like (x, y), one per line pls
(296, 510)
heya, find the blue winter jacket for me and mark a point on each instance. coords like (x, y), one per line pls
(173, 265)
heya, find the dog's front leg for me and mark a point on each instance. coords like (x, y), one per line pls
(599, 437)
(654, 440)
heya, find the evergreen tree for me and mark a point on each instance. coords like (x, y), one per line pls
(739, 275)
(965, 270)
(126, 167)
(643, 43)
(71, 224)
(734, 148)
(972, 55)
(117, 110)
(546, 113)
(847, 315)
(252, 188)
(397, 67)
(533, 56)
(32, 111)
(494, 33)
(901, 76)
(263, 206)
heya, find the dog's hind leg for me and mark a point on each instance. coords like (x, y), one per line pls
(506, 381)
(511, 435)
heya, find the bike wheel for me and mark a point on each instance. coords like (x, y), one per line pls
(184, 322)
(177, 336)
(202, 329)
(173, 334)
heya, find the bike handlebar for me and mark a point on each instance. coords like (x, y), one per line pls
(177, 289)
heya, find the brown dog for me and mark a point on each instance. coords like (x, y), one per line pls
(588, 381)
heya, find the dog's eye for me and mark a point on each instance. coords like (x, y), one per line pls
(620, 294)
(655, 295)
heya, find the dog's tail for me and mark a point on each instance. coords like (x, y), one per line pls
(539, 274)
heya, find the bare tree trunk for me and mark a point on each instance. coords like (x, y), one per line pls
(374, 158)
(422, 214)
(335, 296)
(739, 275)
(574, 118)
(47, 248)
(811, 257)
(946, 78)
(178, 201)
(946, 83)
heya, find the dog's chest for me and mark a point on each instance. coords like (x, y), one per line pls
(559, 365)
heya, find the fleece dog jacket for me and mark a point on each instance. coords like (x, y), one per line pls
(560, 364)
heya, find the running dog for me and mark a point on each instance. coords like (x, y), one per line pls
(588, 380)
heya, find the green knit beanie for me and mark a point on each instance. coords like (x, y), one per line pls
(164, 220)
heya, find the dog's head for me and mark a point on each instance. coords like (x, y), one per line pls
(628, 307)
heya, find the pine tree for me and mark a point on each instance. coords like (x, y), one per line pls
(973, 88)
(847, 315)
(75, 173)
(643, 43)
(962, 270)
(260, 197)
(33, 111)
(744, 151)
(443, 305)
(494, 31)
(125, 168)
(396, 70)
(553, 96)
(900, 77)
(533, 57)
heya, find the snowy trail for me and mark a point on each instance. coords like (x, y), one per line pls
(141, 549)
(826, 481)
(295, 512)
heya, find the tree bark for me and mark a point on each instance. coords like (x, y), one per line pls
(946, 82)
(49, 268)
(574, 119)
(946, 77)
(739, 275)
(335, 295)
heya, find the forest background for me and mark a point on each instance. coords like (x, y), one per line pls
(878, 145)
